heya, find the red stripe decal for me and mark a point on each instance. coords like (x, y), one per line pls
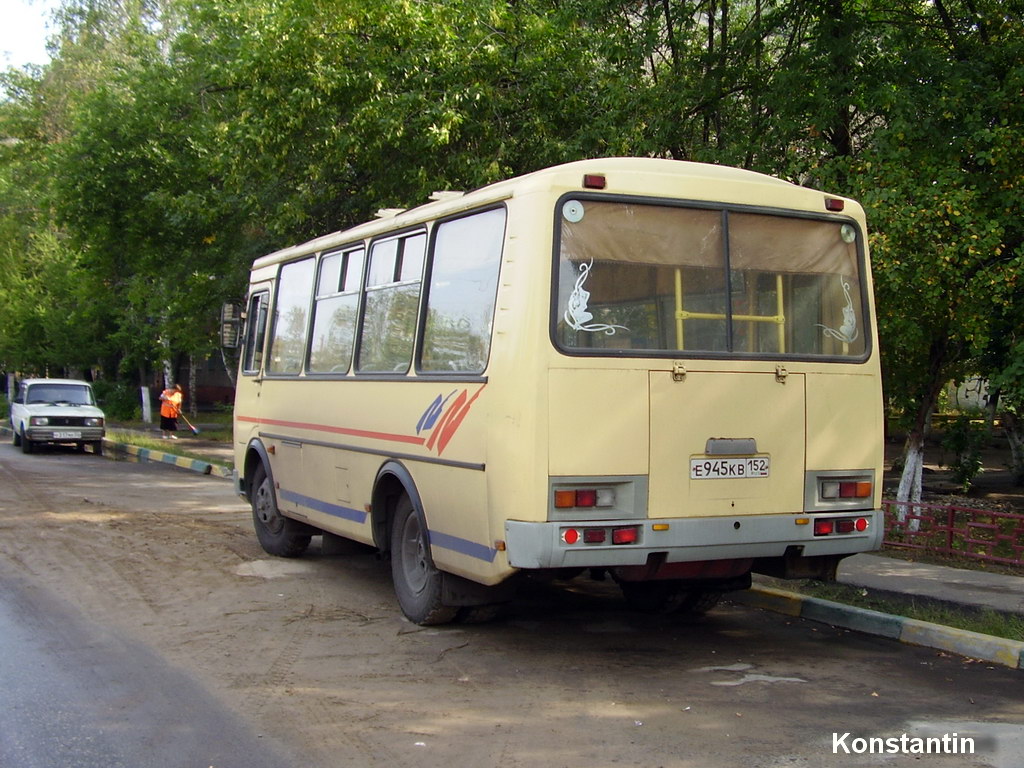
(410, 439)
(452, 424)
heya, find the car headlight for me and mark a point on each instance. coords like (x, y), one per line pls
(94, 422)
(39, 421)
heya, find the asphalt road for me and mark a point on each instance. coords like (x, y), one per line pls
(141, 625)
(76, 693)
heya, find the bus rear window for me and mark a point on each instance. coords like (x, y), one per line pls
(648, 279)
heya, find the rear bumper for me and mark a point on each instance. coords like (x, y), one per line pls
(541, 545)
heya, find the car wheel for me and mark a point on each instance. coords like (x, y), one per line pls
(27, 446)
(277, 534)
(16, 438)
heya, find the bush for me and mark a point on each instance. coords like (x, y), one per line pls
(964, 439)
(119, 400)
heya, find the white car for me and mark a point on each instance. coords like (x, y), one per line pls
(56, 411)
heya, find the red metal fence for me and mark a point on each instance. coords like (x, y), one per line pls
(994, 536)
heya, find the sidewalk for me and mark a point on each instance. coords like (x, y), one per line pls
(978, 589)
(959, 587)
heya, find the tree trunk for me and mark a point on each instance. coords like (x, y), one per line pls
(1014, 429)
(192, 386)
(910, 481)
(913, 453)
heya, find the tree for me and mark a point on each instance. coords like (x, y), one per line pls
(943, 187)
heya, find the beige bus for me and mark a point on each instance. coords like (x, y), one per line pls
(661, 372)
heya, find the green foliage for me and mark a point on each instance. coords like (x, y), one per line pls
(170, 143)
(964, 438)
(119, 400)
(1007, 381)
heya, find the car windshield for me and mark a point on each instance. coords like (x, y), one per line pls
(648, 279)
(70, 394)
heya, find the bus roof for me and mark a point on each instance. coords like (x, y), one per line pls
(662, 177)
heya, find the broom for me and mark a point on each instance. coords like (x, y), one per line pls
(195, 429)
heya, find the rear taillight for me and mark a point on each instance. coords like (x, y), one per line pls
(629, 535)
(846, 489)
(626, 534)
(584, 498)
(827, 526)
(594, 535)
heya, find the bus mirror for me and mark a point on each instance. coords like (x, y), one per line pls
(231, 325)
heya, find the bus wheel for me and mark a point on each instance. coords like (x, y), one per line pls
(277, 534)
(417, 581)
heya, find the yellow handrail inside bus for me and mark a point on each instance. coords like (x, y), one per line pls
(682, 314)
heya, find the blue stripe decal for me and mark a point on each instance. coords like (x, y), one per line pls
(463, 546)
(325, 507)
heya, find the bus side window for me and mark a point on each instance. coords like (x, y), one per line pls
(288, 343)
(461, 293)
(394, 276)
(256, 333)
(334, 312)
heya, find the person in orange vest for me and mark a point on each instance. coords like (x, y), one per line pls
(170, 407)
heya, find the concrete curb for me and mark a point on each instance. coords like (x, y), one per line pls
(150, 454)
(998, 650)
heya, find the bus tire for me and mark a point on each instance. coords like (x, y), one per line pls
(277, 534)
(417, 581)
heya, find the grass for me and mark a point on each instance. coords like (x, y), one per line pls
(179, 448)
(214, 426)
(984, 621)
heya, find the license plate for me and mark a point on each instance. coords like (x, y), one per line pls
(67, 435)
(729, 469)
